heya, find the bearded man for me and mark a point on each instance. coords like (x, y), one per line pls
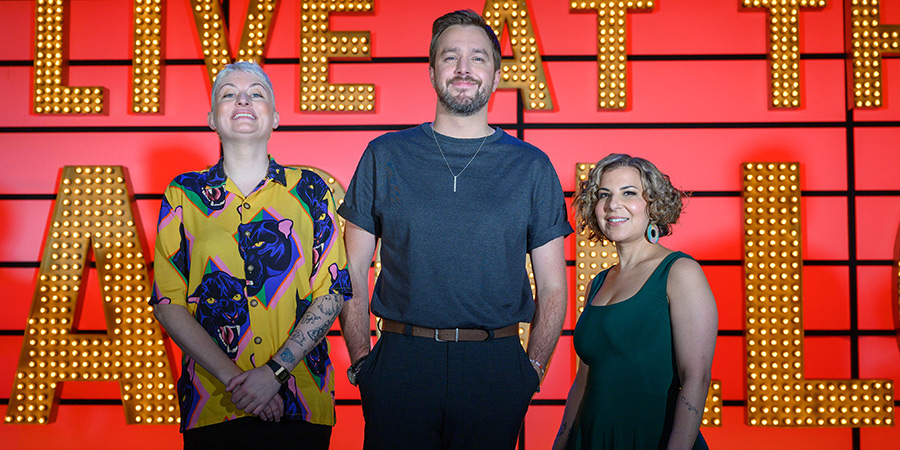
(457, 205)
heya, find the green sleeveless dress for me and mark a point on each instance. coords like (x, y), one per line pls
(632, 387)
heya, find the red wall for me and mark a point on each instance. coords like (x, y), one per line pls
(698, 90)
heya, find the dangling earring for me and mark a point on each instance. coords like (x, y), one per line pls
(652, 233)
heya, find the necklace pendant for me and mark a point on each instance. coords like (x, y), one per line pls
(454, 184)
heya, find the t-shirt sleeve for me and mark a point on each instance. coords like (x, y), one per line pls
(359, 200)
(548, 213)
(332, 276)
(171, 261)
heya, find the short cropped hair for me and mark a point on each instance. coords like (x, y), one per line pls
(246, 67)
(664, 202)
(465, 17)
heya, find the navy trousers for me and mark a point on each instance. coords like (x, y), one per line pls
(419, 393)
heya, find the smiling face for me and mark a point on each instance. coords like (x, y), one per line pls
(463, 74)
(243, 109)
(621, 209)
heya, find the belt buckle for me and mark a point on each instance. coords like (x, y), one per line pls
(437, 336)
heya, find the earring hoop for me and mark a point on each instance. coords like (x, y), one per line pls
(652, 233)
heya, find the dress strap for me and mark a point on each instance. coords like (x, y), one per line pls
(594, 286)
(662, 270)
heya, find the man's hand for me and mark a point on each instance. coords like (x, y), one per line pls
(538, 370)
(253, 389)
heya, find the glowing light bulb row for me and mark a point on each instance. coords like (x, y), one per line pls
(591, 257)
(257, 26)
(318, 44)
(783, 18)
(146, 61)
(869, 41)
(526, 69)
(52, 95)
(209, 18)
(612, 86)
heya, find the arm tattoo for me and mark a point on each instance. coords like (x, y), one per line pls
(309, 317)
(689, 406)
(317, 333)
(287, 356)
(329, 304)
(297, 337)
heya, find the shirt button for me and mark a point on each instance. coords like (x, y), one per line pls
(257, 340)
(247, 233)
(246, 206)
(253, 302)
(250, 268)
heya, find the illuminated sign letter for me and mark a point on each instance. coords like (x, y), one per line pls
(146, 63)
(611, 57)
(784, 48)
(526, 71)
(52, 95)
(592, 257)
(869, 39)
(93, 213)
(214, 34)
(317, 44)
(777, 392)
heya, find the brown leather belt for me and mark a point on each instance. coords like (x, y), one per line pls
(449, 334)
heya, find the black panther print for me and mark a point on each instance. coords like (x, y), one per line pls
(340, 281)
(187, 394)
(293, 407)
(212, 197)
(222, 310)
(313, 191)
(180, 260)
(266, 249)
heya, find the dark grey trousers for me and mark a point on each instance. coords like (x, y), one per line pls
(419, 393)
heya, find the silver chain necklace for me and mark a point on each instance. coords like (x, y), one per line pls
(455, 175)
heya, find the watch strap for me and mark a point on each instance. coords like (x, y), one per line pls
(281, 374)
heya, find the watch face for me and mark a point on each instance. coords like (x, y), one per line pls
(281, 374)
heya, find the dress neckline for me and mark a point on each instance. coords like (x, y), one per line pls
(606, 272)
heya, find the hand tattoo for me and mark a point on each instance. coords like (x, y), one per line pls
(287, 356)
(689, 406)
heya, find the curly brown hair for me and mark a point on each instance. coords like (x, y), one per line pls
(664, 202)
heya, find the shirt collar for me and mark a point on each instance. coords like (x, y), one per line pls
(216, 176)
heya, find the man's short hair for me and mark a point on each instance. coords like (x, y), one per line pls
(465, 17)
(246, 67)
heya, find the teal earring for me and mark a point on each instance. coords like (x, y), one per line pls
(652, 233)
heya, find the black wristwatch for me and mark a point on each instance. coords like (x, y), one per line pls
(281, 374)
(353, 371)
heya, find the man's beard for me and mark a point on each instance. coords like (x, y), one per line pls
(463, 106)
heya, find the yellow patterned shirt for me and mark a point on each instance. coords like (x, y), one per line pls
(247, 268)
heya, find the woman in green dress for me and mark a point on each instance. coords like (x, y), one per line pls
(648, 331)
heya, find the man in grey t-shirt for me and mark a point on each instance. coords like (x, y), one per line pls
(457, 205)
